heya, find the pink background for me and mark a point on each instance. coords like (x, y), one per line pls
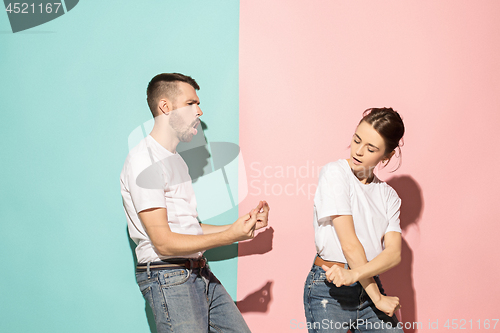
(308, 69)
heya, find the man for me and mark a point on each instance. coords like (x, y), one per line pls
(161, 212)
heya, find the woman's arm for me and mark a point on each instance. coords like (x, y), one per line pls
(387, 259)
(356, 258)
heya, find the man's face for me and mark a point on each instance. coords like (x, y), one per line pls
(186, 111)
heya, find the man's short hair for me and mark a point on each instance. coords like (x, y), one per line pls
(165, 86)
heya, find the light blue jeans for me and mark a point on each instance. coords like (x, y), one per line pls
(190, 301)
(337, 309)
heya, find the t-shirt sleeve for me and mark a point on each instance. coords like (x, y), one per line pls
(333, 193)
(393, 209)
(146, 184)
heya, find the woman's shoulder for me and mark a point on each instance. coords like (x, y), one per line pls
(388, 190)
(336, 168)
(339, 165)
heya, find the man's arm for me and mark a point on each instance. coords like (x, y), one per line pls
(212, 229)
(262, 220)
(170, 243)
(354, 253)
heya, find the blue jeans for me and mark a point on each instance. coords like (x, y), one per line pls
(190, 301)
(337, 309)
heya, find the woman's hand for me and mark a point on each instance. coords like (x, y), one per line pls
(388, 304)
(340, 276)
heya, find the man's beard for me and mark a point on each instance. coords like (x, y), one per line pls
(184, 134)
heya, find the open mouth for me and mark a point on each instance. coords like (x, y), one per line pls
(196, 123)
(356, 160)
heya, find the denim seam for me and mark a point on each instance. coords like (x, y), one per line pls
(309, 301)
(320, 279)
(145, 291)
(148, 281)
(166, 285)
(144, 294)
(214, 327)
(164, 306)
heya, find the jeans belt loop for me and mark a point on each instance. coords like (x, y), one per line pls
(148, 270)
(191, 264)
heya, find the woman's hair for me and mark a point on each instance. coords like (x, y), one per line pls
(389, 125)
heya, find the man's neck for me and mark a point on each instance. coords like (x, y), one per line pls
(164, 138)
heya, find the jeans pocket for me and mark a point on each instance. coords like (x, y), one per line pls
(319, 277)
(147, 293)
(175, 277)
(145, 290)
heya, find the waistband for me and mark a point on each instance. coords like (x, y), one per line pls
(320, 262)
(172, 264)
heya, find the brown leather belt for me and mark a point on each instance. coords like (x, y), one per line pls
(320, 262)
(173, 263)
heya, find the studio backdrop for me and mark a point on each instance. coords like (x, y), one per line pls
(283, 86)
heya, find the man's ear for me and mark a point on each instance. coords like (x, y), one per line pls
(165, 106)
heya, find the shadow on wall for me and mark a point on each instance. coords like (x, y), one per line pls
(260, 244)
(399, 280)
(197, 157)
(259, 300)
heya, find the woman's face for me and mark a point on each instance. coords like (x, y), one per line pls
(367, 150)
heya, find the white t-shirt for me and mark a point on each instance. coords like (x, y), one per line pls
(374, 208)
(153, 177)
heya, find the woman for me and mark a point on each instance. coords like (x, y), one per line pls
(357, 234)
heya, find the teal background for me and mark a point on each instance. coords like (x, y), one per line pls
(71, 92)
